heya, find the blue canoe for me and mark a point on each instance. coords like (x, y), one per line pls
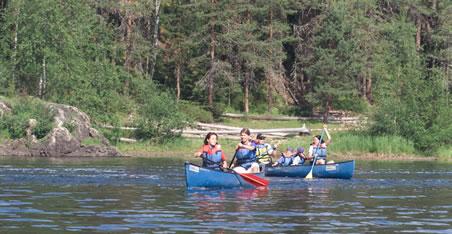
(340, 170)
(196, 176)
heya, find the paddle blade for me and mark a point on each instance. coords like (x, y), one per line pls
(254, 180)
(309, 175)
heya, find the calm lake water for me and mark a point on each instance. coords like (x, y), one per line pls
(149, 195)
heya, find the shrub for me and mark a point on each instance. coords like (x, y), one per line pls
(195, 112)
(159, 116)
(16, 122)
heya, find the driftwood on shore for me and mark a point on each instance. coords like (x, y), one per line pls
(200, 130)
(331, 119)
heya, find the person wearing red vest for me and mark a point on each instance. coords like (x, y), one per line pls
(212, 155)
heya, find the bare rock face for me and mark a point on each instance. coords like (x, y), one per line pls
(4, 108)
(71, 127)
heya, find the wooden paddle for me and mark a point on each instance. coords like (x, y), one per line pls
(309, 175)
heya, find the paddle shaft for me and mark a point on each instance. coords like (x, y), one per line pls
(309, 175)
(235, 154)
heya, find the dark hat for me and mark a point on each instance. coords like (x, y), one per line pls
(300, 150)
(260, 136)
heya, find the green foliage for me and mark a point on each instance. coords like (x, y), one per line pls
(391, 59)
(352, 143)
(70, 126)
(360, 142)
(159, 113)
(217, 111)
(61, 55)
(196, 112)
(114, 134)
(445, 153)
(14, 124)
(401, 108)
(336, 62)
(91, 141)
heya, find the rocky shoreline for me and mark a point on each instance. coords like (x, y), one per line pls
(60, 141)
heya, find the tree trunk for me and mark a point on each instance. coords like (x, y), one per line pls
(369, 87)
(212, 59)
(270, 72)
(155, 39)
(418, 33)
(212, 64)
(363, 85)
(246, 92)
(269, 91)
(326, 113)
(2, 4)
(178, 67)
(129, 47)
(42, 79)
(14, 55)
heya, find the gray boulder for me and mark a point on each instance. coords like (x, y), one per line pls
(71, 128)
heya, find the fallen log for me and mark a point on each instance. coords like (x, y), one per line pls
(253, 131)
(216, 126)
(286, 118)
(127, 140)
(232, 137)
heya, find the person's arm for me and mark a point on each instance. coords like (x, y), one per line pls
(302, 155)
(327, 135)
(279, 161)
(248, 147)
(223, 157)
(199, 152)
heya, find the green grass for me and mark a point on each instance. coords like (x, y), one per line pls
(177, 146)
(342, 143)
(445, 153)
(347, 142)
(91, 141)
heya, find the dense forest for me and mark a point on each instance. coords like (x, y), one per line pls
(161, 62)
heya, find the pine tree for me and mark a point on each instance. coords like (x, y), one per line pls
(272, 20)
(336, 64)
(59, 51)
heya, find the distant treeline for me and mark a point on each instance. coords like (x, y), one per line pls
(117, 59)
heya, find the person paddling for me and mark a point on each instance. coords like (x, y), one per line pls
(212, 155)
(318, 146)
(246, 154)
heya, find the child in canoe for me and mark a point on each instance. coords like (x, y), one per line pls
(264, 151)
(246, 154)
(299, 157)
(212, 155)
(286, 158)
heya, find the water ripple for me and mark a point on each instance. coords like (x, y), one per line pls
(141, 196)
